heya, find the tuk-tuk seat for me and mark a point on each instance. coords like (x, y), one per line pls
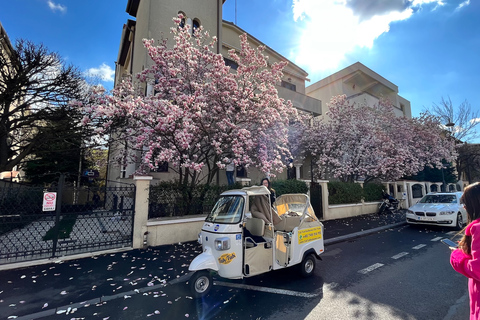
(288, 222)
(256, 226)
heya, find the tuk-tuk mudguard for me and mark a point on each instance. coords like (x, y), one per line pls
(311, 251)
(204, 261)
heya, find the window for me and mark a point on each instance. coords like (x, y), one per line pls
(241, 172)
(417, 191)
(162, 167)
(232, 64)
(289, 86)
(182, 23)
(195, 25)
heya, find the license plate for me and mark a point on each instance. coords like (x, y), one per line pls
(426, 218)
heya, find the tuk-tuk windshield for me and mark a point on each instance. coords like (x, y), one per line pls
(228, 209)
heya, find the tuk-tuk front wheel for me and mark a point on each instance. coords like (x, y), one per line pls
(200, 283)
(308, 265)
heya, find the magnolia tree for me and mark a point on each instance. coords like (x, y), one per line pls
(200, 115)
(370, 142)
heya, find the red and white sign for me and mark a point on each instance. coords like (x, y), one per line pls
(49, 201)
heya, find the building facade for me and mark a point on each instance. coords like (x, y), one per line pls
(152, 19)
(361, 85)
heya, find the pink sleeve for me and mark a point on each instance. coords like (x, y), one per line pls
(467, 265)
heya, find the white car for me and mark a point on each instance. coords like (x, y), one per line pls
(439, 208)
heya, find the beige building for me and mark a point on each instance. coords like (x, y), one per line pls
(153, 20)
(361, 85)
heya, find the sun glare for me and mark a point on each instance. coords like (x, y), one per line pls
(331, 29)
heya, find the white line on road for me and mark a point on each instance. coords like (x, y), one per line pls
(265, 289)
(437, 238)
(401, 254)
(371, 268)
(420, 246)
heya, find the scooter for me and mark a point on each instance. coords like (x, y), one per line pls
(389, 204)
(245, 236)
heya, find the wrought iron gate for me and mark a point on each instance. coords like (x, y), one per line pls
(316, 199)
(84, 220)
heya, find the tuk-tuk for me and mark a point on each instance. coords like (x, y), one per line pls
(244, 235)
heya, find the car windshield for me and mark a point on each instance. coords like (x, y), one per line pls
(439, 198)
(228, 209)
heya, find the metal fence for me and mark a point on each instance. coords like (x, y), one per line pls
(84, 220)
(169, 200)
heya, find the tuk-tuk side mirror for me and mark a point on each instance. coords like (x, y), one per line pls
(248, 215)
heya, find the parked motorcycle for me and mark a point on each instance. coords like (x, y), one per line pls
(389, 204)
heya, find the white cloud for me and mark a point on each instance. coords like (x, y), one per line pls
(56, 7)
(333, 28)
(104, 72)
(474, 121)
(463, 4)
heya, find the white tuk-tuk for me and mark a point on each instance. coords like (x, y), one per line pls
(245, 236)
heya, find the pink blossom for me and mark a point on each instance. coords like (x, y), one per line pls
(201, 115)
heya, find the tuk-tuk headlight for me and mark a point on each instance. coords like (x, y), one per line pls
(222, 243)
(199, 238)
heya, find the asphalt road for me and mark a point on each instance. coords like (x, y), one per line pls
(401, 273)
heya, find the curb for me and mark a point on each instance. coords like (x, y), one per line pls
(362, 233)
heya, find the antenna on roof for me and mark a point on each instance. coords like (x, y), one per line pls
(235, 12)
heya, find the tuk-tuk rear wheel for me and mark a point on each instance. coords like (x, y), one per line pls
(308, 265)
(200, 283)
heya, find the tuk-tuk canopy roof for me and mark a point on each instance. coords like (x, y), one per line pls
(249, 191)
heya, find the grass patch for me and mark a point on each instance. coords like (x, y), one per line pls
(65, 227)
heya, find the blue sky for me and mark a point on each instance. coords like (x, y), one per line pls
(429, 48)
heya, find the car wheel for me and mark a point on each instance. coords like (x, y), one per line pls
(308, 265)
(459, 225)
(200, 283)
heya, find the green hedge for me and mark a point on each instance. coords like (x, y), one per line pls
(372, 192)
(289, 186)
(344, 192)
(348, 192)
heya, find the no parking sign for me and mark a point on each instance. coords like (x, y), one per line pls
(49, 201)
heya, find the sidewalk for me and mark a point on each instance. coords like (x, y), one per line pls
(41, 290)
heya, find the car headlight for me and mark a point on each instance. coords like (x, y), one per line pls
(410, 212)
(222, 243)
(446, 212)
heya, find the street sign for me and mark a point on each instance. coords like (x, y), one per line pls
(49, 201)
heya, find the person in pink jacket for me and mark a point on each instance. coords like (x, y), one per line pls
(466, 259)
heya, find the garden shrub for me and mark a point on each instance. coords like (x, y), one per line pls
(289, 186)
(372, 192)
(344, 192)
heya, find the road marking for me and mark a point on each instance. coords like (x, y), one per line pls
(437, 238)
(452, 232)
(265, 289)
(401, 254)
(371, 268)
(420, 246)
